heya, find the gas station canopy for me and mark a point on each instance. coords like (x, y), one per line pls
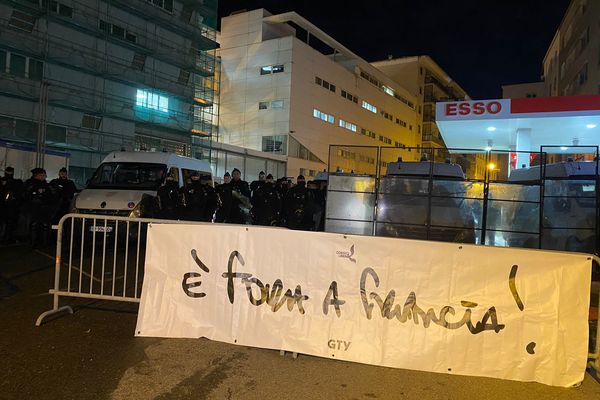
(520, 124)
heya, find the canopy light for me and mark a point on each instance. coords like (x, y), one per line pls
(590, 126)
(491, 128)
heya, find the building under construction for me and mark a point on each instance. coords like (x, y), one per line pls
(81, 78)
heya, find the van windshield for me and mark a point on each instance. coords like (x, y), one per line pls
(125, 175)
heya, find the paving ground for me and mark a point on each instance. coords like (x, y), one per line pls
(94, 355)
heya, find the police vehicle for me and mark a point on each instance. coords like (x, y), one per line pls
(126, 183)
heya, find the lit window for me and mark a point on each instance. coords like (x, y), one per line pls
(369, 107)
(152, 101)
(266, 70)
(388, 90)
(277, 104)
(323, 116)
(347, 125)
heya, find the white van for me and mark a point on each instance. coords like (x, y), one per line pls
(125, 184)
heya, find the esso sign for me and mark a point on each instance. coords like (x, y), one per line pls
(473, 108)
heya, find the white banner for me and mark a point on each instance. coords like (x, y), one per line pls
(441, 307)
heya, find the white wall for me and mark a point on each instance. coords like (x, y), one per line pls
(242, 88)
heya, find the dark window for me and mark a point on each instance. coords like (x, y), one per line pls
(91, 121)
(21, 20)
(104, 26)
(138, 62)
(2, 61)
(65, 11)
(277, 68)
(56, 134)
(271, 145)
(355, 99)
(184, 76)
(168, 5)
(17, 65)
(332, 88)
(318, 80)
(26, 129)
(130, 37)
(343, 93)
(118, 31)
(326, 84)
(263, 105)
(36, 70)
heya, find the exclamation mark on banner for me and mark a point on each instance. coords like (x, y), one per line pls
(513, 289)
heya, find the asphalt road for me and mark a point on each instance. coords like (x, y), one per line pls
(93, 354)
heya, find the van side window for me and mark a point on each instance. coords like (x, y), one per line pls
(204, 176)
(174, 171)
(186, 175)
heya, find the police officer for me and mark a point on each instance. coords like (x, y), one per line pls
(240, 205)
(256, 184)
(199, 199)
(266, 204)
(168, 198)
(64, 189)
(40, 204)
(316, 205)
(297, 206)
(225, 198)
(11, 190)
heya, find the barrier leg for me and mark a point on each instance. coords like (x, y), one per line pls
(56, 309)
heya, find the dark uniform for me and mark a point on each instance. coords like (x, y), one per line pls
(11, 191)
(64, 189)
(199, 200)
(168, 199)
(297, 206)
(316, 205)
(240, 205)
(40, 204)
(256, 184)
(266, 204)
(225, 199)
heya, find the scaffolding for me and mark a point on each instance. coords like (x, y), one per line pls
(107, 75)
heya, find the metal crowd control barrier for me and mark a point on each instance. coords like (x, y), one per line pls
(99, 257)
(105, 259)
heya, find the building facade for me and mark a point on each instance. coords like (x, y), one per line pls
(287, 88)
(524, 90)
(428, 83)
(572, 62)
(81, 78)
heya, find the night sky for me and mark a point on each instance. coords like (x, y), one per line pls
(480, 44)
